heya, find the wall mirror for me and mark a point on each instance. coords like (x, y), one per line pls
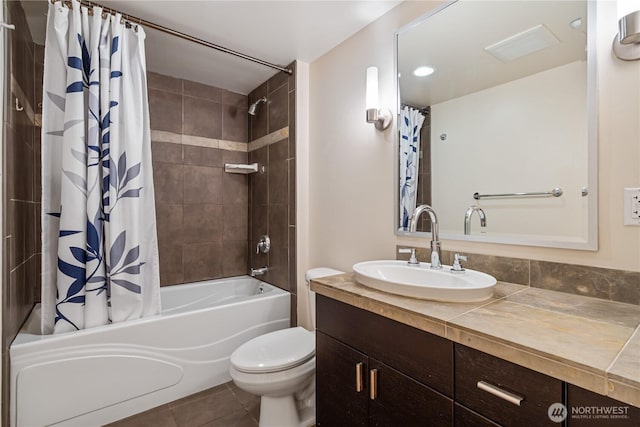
(501, 99)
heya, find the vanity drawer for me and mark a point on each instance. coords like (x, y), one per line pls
(465, 417)
(418, 354)
(502, 391)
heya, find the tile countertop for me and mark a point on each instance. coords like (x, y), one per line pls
(589, 342)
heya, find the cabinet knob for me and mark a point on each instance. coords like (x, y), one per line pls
(358, 377)
(501, 393)
(373, 384)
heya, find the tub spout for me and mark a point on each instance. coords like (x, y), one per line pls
(258, 271)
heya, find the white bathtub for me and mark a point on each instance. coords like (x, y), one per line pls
(95, 376)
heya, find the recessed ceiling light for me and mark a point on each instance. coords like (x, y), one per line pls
(423, 71)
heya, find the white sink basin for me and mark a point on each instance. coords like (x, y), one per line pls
(420, 281)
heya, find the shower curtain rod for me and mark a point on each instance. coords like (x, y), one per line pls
(423, 110)
(184, 36)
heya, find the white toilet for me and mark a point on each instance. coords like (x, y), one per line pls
(280, 367)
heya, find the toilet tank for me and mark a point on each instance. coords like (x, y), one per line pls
(316, 273)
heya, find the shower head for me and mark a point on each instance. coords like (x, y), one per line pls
(253, 107)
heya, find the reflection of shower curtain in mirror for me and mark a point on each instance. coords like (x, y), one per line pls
(100, 251)
(410, 124)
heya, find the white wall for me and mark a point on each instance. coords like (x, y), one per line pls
(302, 191)
(539, 123)
(351, 164)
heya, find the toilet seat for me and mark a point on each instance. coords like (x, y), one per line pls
(275, 351)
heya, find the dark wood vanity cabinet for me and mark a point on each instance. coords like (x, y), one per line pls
(373, 371)
(377, 372)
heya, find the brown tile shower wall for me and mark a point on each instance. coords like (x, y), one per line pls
(424, 175)
(272, 193)
(202, 212)
(21, 172)
(603, 283)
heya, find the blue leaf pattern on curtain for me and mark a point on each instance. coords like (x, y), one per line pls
(100, 255)
(410, 124)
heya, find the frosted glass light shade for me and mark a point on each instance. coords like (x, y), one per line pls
(372, 88)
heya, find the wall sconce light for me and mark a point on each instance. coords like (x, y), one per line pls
(381, 118)
(626, 44)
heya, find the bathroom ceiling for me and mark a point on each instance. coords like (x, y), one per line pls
(464, 64)
(274, 31)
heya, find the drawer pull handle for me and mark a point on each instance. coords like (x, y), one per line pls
(502, 394)
(358, 377)
(373, 384)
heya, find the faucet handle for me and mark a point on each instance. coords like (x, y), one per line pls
(413, 260)
(457, 267)
(264, 244)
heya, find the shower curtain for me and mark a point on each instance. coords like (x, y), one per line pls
(410, 124)
(99, 242)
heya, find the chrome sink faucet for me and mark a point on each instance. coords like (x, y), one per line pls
(435, 240)
(469, 214)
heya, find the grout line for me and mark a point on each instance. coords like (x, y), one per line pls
(32, 202)
(615, 359)
(489, 302)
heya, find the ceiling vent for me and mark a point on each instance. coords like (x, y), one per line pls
(524, 43)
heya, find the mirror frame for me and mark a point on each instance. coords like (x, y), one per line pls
(591, 243)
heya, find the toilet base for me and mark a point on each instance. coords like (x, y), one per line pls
(278, 412)
(307, 417)
(287, 411)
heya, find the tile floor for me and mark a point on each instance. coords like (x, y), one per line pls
(222, 406)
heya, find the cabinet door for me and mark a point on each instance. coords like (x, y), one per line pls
(398, 400)
(589, 409)
(339, 399)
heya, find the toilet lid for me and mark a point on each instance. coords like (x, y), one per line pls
(275, 351)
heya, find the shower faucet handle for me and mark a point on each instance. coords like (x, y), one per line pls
(264, 244)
